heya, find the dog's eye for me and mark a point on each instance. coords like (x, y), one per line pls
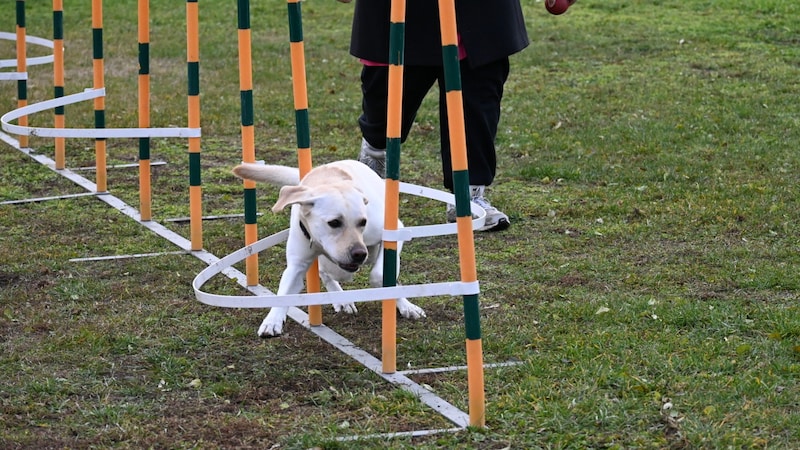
(363, 223)
(335, 223)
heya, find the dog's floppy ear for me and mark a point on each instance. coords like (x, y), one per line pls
(290, 195)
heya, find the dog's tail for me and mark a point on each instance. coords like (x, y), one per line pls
(276, 175)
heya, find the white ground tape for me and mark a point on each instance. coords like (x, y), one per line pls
(45, 199)
(96, 133)
(401, 434)
(120, 166)
(438, 404)
(129, 256)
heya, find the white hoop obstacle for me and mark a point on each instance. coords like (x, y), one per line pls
(269, 300)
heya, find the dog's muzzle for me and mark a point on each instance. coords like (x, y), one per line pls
(357, 257)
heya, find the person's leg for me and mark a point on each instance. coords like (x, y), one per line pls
(482, 93)
(417, 81)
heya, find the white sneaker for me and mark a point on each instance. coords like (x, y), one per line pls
(374, 158)
(496, 220)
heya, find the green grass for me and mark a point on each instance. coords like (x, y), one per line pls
(648, 285)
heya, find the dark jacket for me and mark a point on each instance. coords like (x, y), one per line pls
(489, 30)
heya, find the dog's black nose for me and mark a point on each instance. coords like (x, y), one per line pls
(358, 255)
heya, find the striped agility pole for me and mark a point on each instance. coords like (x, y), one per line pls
(59, 119)
(22, 67)
(300, 91)
(397, 17)
(145, 192)
(248, 135)
(98, 71)
(193, 74)
(466, 243)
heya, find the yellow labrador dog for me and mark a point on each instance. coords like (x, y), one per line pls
(337, 216)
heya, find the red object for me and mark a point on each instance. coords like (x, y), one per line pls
(558, 6)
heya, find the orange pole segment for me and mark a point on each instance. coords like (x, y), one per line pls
(475, 383)
(245, 61)
(304, 160)
(248, 145)
(97, 14)
(389, 336)
(314, 311)
(144, 21)
(397, 13)
(455, 117)
(145, 193)
(299, 86)
(194, 119)
(100, 166)
(144, 101)
(192, 30)
(395, 101)
(466, 249)
(196, 216)
(251, 263)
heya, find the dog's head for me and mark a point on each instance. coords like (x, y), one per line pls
(334, 216)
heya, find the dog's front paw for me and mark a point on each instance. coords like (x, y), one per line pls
(273, 324)
(271, 327)
(349, 308)
(409, 310)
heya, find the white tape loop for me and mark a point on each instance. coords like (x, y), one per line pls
(264, 298)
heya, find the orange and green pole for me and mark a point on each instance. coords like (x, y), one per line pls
(22, 67)
(397, 17)
(59, 120)
(145, 194)
(466, 243)
(248, 135)
(193, 74)
(300, 91)
(98, 82)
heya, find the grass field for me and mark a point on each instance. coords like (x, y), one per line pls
(648, 286)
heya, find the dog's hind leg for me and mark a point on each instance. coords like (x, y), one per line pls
(333, 285)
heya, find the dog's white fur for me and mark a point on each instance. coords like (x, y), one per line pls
(341, 205)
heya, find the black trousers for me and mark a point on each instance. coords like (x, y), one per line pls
(482, 92)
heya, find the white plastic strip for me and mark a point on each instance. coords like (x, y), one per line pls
(96, 133)
(6, 36)
(269, 300)
(408, 233)
(13, 76)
